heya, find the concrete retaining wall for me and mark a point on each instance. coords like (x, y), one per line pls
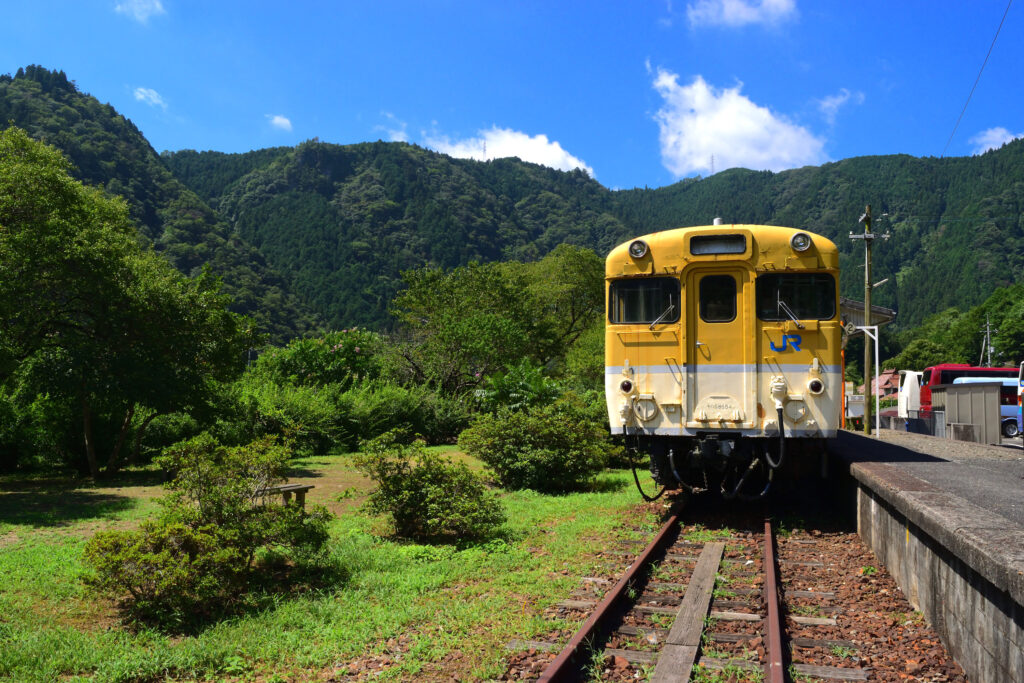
(955, 562)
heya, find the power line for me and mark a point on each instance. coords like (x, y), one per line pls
(962, 111)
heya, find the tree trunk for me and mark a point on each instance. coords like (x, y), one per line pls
(115, 455)
(90, 445)
(134, 456)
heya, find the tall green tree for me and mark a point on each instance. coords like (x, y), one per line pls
(461, 325)
(89, 315)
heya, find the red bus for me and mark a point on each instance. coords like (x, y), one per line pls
(945, 373)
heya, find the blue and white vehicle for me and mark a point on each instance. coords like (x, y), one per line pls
(1020, 399)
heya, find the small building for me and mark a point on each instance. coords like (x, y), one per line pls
(888, 384)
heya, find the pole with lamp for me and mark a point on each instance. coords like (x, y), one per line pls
(868, 237)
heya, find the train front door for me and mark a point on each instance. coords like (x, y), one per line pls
(720, 329)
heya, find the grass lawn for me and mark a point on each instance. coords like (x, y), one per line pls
(402, 612)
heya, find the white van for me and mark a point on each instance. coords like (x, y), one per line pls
(909, 398)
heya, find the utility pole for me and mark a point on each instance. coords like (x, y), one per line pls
(868, 237)
(986, 345)
(868, 405)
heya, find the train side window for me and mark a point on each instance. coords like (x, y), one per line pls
(644, 300)
(717, 298)
(810, 296)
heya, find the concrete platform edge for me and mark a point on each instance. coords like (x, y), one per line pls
(961, 565)
(990, 544)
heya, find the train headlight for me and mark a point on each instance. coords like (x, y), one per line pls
(638, 249)
(626, 386)
(816, 386)
(800, 241)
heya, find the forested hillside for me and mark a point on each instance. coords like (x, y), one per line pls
(329, 228)
(109, 152)
(344, 221)
(957, 224)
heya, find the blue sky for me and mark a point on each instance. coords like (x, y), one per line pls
(638, 93)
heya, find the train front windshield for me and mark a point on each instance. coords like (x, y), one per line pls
(644, 300)
(810, 296)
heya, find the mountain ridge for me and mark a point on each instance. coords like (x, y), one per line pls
(318, 234)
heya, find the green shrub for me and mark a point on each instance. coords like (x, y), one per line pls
(317, 419)
(591, 406)
(429, 498)
(374, 408)
(550, 448)
(31, 428)
(170, 570)
(164, 431)
(336, 358)
(584, 360)
(520, 386)
(198, 558)
(313, 418)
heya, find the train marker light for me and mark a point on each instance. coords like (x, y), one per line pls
(816, 386)
(638, 249)
(800, 241)
(626, 386)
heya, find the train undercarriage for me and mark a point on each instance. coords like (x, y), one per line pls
(735, 467)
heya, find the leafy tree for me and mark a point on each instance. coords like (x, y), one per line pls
(470, 322)
(107, 151)
(462, 325)
(334, 358)
(566, 293)
(584, 359)
(87, 314)
(918, 355)
(1009, 341)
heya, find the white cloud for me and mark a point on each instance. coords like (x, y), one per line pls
(735, 13)
(697, 122)
(831, 105)
(993, 138)
(281, 122)
(150, 97)
(140, 10)
(394, 128)
(498, 143)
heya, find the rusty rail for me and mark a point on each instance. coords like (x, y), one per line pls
(565, 666)
(776, 671)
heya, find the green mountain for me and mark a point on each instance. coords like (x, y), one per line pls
(108, 151)
(957, 226)
(329, 228)
(344, 221)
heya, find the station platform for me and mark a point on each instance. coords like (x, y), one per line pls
(947, 519)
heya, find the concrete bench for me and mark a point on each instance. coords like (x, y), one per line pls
(286, 491)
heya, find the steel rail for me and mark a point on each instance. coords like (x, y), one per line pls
(776, 672)
(565, 667)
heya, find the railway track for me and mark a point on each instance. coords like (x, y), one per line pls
(733, 605)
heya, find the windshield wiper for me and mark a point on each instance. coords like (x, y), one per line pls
(789, 311)
(665, 314)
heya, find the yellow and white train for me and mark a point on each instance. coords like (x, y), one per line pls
(722, 352)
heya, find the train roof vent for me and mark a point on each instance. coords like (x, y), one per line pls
(717, 221)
